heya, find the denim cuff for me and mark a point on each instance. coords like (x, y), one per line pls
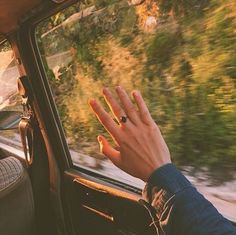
(168, 178)
(162, 186)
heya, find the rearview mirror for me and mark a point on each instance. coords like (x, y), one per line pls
(9, 120)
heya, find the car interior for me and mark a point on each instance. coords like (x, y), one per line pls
(44, 187)
(48, 195)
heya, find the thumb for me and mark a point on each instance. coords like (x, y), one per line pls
(108, 150)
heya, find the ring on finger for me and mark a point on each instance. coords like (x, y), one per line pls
(123, 119)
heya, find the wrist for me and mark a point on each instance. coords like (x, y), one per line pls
(154, 168)
(169, 178)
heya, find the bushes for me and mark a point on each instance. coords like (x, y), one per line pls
(185, 69)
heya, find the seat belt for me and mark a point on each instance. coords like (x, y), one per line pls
(27, 138)
(26, 123)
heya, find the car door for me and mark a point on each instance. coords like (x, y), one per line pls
(69, 52)
(89, 195)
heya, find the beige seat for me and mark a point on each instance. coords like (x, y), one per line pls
(16, 199)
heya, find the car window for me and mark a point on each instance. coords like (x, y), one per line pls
(182, 59)
(9, 97)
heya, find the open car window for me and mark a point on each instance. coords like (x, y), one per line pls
(182, 61)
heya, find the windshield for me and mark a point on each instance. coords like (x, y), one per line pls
(8, 77)
(10, 101)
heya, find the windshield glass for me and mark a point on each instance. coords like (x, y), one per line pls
(181, 57)
(9, 101)
(8, 76)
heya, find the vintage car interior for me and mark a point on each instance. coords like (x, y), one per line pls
(47, 185)
(60, 199)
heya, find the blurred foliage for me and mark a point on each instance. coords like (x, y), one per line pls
(179, 54)
(5, 46)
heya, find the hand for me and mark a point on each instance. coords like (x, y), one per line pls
(141, 148)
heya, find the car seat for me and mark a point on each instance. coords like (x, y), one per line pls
(16, 199)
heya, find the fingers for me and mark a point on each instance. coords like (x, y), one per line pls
(142, 107)
(113, 104)
(128, 105)
(108, 150)
(143, 114)
(105, 119)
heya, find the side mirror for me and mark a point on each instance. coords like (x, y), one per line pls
(9, 120)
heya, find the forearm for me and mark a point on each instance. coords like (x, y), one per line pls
(179, 208)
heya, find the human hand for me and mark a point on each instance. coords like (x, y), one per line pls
(141, 148)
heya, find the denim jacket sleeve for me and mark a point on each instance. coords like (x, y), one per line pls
(177, 208)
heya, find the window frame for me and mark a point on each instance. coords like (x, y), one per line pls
(65, 164)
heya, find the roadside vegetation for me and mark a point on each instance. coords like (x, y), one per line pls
(180, 54)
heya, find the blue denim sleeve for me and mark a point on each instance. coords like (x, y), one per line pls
(177, 208)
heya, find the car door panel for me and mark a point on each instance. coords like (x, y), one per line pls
(101, 208)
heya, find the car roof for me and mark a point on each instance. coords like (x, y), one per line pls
(11, 11)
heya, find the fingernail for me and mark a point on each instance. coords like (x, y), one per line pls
(99, 138)
(92, 101)
(118, 88)
(105, 89)
(135, 93)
